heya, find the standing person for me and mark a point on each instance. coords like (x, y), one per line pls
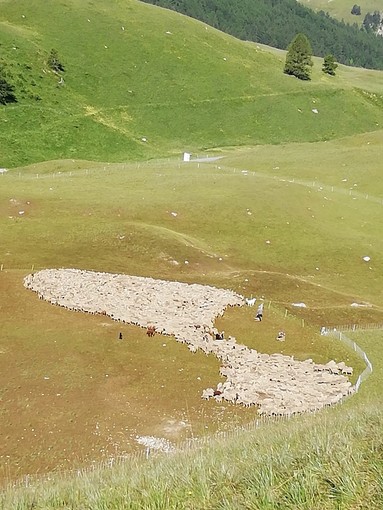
(259, 315)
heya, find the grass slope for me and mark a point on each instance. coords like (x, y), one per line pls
(136, 72)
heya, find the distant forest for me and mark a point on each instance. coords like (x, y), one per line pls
(277, 22)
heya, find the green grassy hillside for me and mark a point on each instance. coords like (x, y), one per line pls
(141, 82)
(288, 215)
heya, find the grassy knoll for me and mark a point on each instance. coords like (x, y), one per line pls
(135, 72)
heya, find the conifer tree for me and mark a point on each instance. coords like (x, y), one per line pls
(329, 65)
(356, 11)
(299, 58)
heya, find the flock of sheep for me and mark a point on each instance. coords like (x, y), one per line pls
(277, 384)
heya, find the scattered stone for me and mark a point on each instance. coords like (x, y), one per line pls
(299, 305)
(156, 443)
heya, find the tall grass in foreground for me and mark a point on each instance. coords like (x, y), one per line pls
(329, 460)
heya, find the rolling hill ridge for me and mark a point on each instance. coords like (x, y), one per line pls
(277, 22)
(142, 82)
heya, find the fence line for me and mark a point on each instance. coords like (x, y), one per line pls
(311, 184)
(352, 192)
(88, 171)
(355, 327)
(188, 445)
(191, 444)
(339, 335)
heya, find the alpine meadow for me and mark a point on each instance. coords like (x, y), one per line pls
(143, 149)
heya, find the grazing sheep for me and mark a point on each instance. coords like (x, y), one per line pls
(277, 384)
(208, 393)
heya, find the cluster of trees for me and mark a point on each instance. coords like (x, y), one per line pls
(299, 59)
(276, 22)
(373, 22)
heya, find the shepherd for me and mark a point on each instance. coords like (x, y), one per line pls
(259, 315)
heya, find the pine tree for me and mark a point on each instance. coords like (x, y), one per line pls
(329, 65)
(356, 11)
(299, 58)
